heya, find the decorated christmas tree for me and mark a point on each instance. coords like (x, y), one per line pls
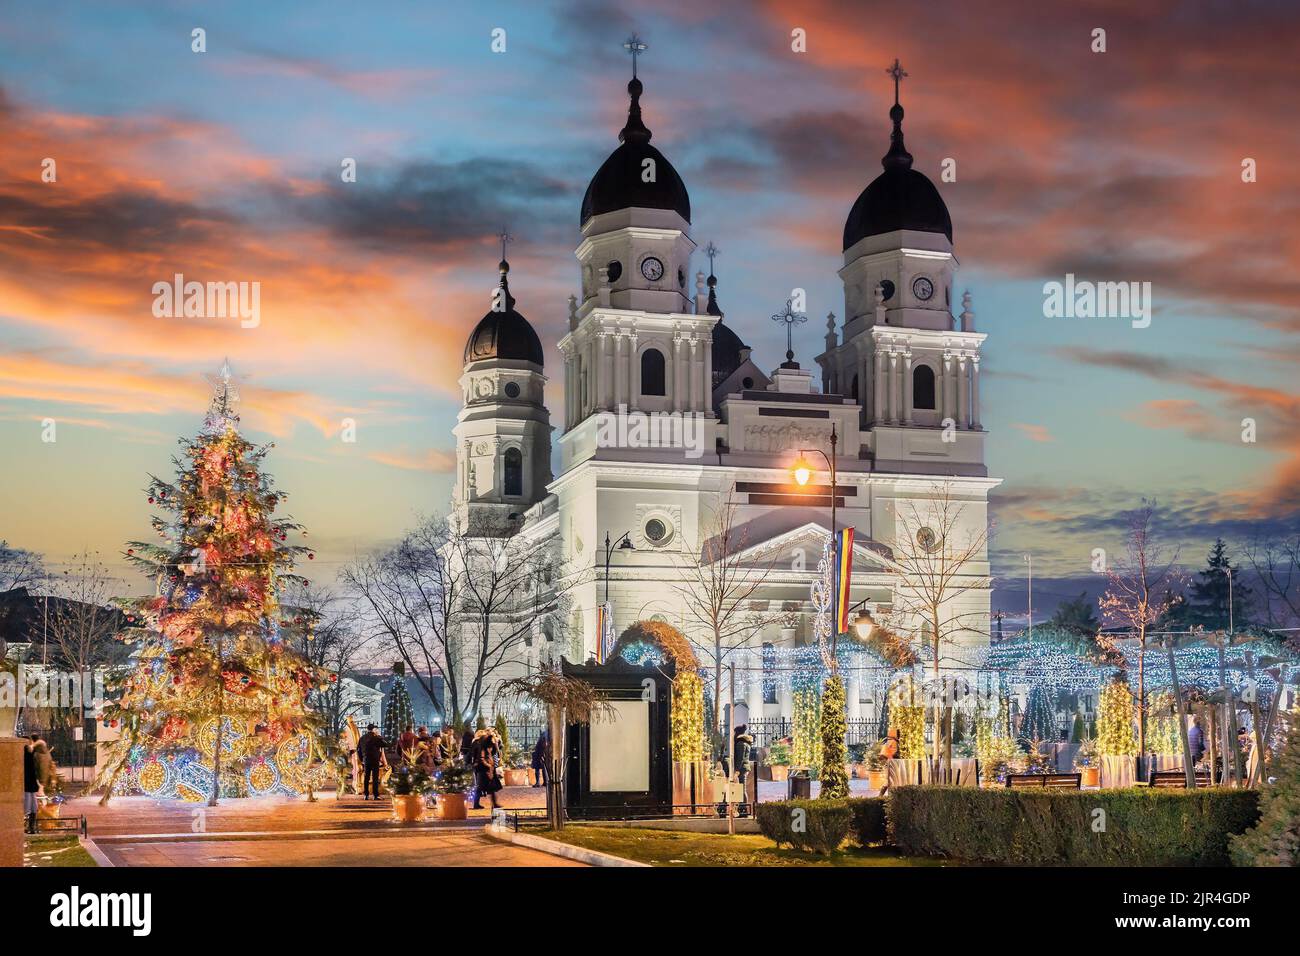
(1115, 736)
(215, 702)
(398, 711)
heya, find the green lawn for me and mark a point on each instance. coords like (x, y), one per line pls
(55, 850)
(677, 848)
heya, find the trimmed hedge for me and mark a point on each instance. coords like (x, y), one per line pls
(869, 820)
(1142, 827)
(821, 826)
(825, 822)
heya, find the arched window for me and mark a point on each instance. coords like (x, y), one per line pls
(652, 373)
(512, 479)
(923, 387)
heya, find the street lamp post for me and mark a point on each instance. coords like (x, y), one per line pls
(803, 471)
(624, 543)
(1029, 559)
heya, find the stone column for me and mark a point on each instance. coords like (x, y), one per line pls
(907, 388)
(677, 372)
(708, 373)
(853, 697)
(620, 371)
(633, 373)
(11, 801)
(895, 390)
(963, 384)
(945, 395)
(878, 383)
(975, 392)
(693, 373)
(754, 693)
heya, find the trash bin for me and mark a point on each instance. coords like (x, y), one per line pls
(798, 786)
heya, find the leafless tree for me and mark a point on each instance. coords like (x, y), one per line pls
(82, 624)
(19, 568)
(336, 643)
(1277, 563)
(457, 602)
(1140, 589)
(719, 590)
(939, 555)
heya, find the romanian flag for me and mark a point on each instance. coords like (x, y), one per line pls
(602, 627)
(843, 578)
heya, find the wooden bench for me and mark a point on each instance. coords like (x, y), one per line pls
(1176, 779)
(1046, 781)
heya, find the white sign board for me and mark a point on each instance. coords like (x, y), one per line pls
(620, 748)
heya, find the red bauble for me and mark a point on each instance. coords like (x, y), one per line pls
(311, 557)
(151, 499)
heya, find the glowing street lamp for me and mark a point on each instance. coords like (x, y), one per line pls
(864, 624)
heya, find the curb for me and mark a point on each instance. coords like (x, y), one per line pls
(281, 834)
(556, 848)
(96, 854)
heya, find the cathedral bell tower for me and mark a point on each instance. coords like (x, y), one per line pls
(901, 355)
(636, 340)
(503, 430)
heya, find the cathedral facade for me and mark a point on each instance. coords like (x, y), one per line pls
(670, 422)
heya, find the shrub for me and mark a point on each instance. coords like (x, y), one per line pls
(821, 826)
(1275, 840)
(1142, 827)
(868, 825)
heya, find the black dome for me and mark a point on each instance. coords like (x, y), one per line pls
(505, 334)
(899, 198)
(618, 183)
(726, 353)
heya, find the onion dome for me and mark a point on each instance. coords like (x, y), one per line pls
(619, 183)
(728, 349)
(899, 198)
(504, 334)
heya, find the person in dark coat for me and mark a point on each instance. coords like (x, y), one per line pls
(542, 760)
(741, 744)
(1196, 740)
(371, 751)
(30, 786)
(485, 756)
(467, 741)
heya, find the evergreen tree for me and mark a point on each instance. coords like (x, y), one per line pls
(399, 713)
(1076, 615)
(1077, 730)
(1275, 839)
(835, 782)
(216, 702)
(1209, 603)
(1039, 722)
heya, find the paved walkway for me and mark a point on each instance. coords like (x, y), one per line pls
(275, 831)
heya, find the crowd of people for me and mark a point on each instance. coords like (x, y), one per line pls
(479, 750)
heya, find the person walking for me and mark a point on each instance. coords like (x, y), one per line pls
(371, 750)
(1196, 740)
(486, 762)
(541, 760)
(30, 786)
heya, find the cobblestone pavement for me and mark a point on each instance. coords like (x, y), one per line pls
(273, 831)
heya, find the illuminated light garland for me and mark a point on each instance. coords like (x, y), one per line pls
(1116, 736)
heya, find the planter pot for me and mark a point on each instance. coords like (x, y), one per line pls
(876, 779)
(47, 811)
(779, 772)
(1091, 776)
(516, 778)
(408, 808)
(451, 806)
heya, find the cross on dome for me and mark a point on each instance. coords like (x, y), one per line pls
(635, 46)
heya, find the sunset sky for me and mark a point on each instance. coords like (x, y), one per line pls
(1117, 166)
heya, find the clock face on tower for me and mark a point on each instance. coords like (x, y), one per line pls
(652, 268)
(922, 288)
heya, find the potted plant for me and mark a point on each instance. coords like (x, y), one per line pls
(877, 773)
(452, 784)
(999, 758)
(516, 770)
(408, 783)
(1087, 763)
(856, 766)
(778, 761)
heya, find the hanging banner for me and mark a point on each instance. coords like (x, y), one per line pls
(843, 578)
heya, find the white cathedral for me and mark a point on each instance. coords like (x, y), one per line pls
(899, 383)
